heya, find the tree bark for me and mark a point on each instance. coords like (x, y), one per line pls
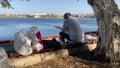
(108, 20)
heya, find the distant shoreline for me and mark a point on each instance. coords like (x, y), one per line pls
(44, 15)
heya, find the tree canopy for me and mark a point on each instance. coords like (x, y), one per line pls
(6, 3)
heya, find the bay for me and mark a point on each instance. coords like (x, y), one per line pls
(9, 26)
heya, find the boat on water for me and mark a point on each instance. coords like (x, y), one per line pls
(17, 60)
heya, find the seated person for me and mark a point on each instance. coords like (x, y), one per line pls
(71, 30)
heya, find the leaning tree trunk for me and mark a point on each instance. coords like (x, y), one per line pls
(108, 18)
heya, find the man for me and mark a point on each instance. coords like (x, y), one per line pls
(71, 30)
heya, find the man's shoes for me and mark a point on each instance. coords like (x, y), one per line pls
(61, 42)
(69, 42)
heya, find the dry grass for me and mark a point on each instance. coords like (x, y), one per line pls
(69, 62)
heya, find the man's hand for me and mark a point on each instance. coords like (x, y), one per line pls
(58, 27)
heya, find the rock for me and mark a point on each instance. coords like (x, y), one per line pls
(3, 59)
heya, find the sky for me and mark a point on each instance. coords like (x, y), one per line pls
(49, 6)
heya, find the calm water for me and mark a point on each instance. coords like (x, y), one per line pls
(9, 26)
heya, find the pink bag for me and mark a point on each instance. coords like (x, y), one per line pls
(35, 35)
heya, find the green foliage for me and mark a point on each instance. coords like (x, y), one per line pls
(6, 3)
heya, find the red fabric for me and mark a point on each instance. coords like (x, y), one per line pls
(38, 35)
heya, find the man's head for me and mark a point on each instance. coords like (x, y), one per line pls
(67, 15)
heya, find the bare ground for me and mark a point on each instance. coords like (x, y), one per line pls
(74, 62)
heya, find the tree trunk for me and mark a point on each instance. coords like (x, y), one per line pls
(108, 19)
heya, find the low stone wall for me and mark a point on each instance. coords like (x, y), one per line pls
(40, 57)
(36, 58)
